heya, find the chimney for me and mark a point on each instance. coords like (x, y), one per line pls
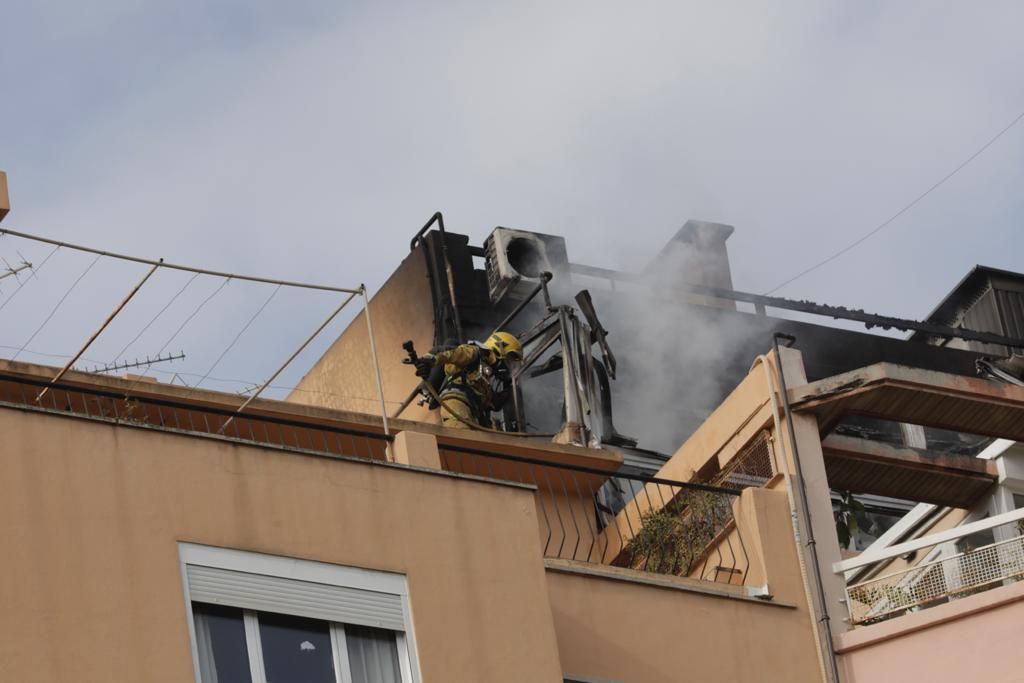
(696, 255)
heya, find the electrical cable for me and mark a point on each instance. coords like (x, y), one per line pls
(34, 271)
(150, 323)
(237, 336)
(55, 308)
(902, 211)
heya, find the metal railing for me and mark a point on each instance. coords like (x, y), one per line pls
(650, 524)
(195, 418)
(753, 466)
(961, 561)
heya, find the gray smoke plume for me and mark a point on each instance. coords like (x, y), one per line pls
(679, 355)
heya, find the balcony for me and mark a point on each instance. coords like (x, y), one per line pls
(935, 569)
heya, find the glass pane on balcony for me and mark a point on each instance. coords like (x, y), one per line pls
(220, 644)
(296, 650)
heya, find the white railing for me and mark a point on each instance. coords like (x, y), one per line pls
(941, 576)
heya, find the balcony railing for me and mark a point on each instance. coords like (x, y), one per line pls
(959, 563)
(646, 523)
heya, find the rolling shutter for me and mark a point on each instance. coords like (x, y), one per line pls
(295, 597)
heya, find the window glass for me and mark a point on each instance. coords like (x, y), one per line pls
(372, 655)
(220, 640)
(296, 650)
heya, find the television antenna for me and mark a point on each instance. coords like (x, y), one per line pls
(128, 365)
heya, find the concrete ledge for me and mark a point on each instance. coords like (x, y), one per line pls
(866, 636)
(290, 450)
(716, 590)
(604, 459)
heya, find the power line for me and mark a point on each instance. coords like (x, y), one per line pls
(902, 211)
(53, 311)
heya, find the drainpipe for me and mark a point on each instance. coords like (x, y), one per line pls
(794, 517)
(823, 623)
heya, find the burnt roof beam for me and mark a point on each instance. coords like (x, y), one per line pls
(837, 312)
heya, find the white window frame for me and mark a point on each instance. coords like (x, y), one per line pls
(192, 554)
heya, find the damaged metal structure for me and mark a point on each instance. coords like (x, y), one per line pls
(518, 268)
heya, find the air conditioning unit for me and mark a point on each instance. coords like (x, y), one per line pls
(517, 258)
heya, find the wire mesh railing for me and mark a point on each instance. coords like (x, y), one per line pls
(195, 418)
(754, 466)
(948, 571)
(649, 524)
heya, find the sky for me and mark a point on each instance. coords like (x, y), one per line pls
(309, 140)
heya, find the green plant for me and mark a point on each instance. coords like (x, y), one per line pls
(846, 518)
(672, 538)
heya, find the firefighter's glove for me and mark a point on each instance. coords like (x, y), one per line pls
(503, 374)
(424, 364)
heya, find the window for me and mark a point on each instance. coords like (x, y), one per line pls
(263, 619)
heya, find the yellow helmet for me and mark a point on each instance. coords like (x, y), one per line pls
(505, 346)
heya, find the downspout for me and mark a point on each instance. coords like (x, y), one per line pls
(825, 619)
(794, 517)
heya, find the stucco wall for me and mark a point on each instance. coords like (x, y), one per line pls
(617, 628)
(90, 515)
(343, 378)
(976, 638)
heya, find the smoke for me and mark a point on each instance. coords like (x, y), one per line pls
(677, 358)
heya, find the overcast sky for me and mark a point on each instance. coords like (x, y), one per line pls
(310, 139)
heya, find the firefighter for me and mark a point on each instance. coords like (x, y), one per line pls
(477, 379)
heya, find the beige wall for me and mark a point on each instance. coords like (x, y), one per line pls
(976, 638)
(5, 201)
(610, 628)
(343, 378)
(90, 515)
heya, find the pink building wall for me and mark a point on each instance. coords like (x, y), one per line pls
(977, 638)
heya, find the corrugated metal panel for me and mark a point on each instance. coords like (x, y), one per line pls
(1011, 312)
(983, 316)
(299, 598)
